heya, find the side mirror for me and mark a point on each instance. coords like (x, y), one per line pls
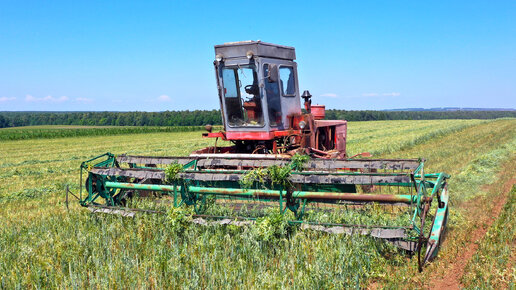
(272, 76)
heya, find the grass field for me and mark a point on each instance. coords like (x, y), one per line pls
(60, 131)
(44, 245)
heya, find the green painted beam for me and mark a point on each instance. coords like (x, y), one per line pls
(256, 193)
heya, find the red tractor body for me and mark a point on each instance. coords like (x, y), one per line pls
(261, 105)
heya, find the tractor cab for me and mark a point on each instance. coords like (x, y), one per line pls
(257, 84)
(261, 105)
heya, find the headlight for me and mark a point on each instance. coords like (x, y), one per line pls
(218, 57)
(302, 124)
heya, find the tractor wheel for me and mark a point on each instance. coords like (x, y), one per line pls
(93, 183)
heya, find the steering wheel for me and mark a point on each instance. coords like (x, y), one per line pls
(251, 89)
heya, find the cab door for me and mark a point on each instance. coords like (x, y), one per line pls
(272, 93)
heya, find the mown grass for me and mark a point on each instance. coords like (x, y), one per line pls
(476, 153)
(50, 132)
(383, 137)
(43, 245)
(493, 265)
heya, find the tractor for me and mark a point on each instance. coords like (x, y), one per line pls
(277, 153)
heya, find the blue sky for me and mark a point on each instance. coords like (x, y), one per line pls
(124, 55)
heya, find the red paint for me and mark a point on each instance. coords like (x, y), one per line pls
(294, 120)
(213, 135)
(284, 133)
(252, 109)
(318, 111)
(251, 135)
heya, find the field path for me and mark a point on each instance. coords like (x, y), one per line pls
(453, 272)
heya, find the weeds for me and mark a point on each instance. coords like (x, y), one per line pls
(171, 172)
(276, 175)
(271, 228)
(298, 161)
(178, 220)
(250, 178)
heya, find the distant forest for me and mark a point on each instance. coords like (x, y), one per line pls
(213, 117)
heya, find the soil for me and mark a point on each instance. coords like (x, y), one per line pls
(451, 279)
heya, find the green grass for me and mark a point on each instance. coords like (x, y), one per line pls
(483, 169)
(107, 251)
(43, 245)
(381, 137)
(462, 154)
(50, 132)
(493, 264)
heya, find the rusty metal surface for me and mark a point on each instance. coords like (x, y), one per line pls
(258, 48)
(120, 212)
(223, 175)
(382, 233)
(317, 164)
(309, 195)
(238, 223)
(153, 160)
(266, 160)
(306, 179)
(350, 179)
(390, 164)
(240, 156)
(318, 196)
(130, 172)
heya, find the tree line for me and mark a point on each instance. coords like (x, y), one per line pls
(213, 117)
(167, 118)
(415, 115)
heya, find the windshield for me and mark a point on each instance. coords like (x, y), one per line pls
(273, 99)
(242, 96)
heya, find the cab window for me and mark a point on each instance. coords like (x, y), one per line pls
(272, 91)
(242, 100)
(287, 80)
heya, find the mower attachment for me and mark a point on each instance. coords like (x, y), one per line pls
(312, 186)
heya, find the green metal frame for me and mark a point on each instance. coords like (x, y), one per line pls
(428, 187)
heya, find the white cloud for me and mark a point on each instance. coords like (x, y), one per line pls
(83, 100)
(393, 94)
(164, 98)
(50, 99)
(330, 95)
(7, 99)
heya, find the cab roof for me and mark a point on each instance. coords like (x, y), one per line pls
(258, 48)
